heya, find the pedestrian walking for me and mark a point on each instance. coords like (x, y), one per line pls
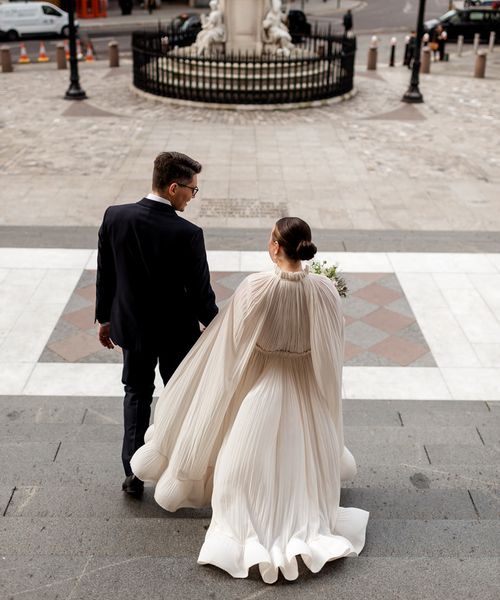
(347, 20)
(411, 50)
(442, 44)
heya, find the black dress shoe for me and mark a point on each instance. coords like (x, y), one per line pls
(133, 486)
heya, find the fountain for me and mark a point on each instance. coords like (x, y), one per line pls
(244, 55)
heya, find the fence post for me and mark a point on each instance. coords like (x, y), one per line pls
(480, 65)
(61, 56)
(426, 60)
(114, 56)
(372, 55)
(477, 41)
(392, 60)
(460, 45)
(491, 45)
(6, 60)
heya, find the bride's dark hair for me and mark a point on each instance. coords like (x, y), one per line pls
(294, 236)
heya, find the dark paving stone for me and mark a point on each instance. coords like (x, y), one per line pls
(91, 500)
(460, 454)
(256, 239)
(164, 578)
(408, 433)
(183, 537)
(490, 433)
(439, 538)
(410, 504)
(371, 418)
(60, 409)
(421, 476)
(60, 432)
(6, 493)
(444, 414)
(384, 452)
(29, 464)
(104, 537)
(40, 577)
(487, 503)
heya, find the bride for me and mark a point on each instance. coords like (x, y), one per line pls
(251, 423)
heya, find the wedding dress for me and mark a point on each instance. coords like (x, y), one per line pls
(251, 423)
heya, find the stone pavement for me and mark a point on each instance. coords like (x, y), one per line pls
(405, 199)
(370, 163)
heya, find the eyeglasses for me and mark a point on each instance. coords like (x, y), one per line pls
(194, 190)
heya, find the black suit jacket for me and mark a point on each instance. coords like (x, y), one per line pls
(153, 282)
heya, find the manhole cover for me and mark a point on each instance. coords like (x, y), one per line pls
(242, 208)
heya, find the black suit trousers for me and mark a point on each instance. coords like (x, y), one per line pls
(138, 378)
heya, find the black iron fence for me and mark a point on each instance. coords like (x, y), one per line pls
(322, 68)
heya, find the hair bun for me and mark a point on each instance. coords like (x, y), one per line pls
(306, 250)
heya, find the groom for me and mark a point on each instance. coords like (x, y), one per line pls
(152, 290)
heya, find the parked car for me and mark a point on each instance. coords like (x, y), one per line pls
(18, 19)
(298, 25)
(467, 22)
(183, 29)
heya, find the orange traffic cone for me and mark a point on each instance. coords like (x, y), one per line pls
(66, 49)
(42, 55)
(79, 55)
(89, 57)
(24, 59)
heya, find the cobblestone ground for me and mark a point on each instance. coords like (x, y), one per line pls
(368, 163)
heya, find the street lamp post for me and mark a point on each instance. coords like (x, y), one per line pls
(413, 94)
(74, 92)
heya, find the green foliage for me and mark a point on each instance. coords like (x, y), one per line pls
(333, 273)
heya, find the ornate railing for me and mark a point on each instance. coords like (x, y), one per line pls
(324, 68)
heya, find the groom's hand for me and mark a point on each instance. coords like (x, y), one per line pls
(104, 336)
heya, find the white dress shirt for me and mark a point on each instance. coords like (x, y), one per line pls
(156, 198)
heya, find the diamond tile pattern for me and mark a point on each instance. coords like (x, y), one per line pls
(381, 329)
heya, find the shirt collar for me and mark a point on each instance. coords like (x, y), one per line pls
(156, 198)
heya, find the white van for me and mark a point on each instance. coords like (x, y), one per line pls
(32, 18)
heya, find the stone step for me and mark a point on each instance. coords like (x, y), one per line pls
(370, 435)
(174, 536)
(164, 578)
(107, 501)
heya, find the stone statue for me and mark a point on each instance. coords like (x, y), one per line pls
(276, 34)
(212, 31)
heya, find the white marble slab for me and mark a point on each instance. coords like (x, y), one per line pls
(77, 379)
(395, 383)
(92, 261)
(419, 262)
(358, 262)
(13, 377)
(224, 260)
(478, 322)
(488, 287)
(56, 287)
(446, 338)
(473, 384)
(43, 258)
(494, 259)
(27, 338)
(488, 354)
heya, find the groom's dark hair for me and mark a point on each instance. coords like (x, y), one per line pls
(173, 166)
